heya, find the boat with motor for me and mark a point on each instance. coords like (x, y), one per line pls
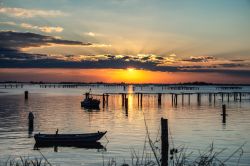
(89, 102)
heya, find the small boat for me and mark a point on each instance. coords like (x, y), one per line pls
(68, 138)
(90, 103)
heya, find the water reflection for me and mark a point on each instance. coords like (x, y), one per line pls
(94, 145)
(195, 126)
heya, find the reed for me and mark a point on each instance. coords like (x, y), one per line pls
(179, 156)
(26, 161)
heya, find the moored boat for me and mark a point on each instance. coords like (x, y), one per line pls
(90, 103)
(68, 138)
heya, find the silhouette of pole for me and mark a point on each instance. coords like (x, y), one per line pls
(26, 95)
(182, 98)
(138, 98)
(240, 96)
(103, 100)
(224, 114)
(164, 142)
(159, 98)
(189, 98)
(31, 122)
(141, 99)
(172, 97)
(122, 99)
(126, 106)
(107, 97)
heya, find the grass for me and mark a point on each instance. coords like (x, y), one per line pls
(26, 161)
(178, 156)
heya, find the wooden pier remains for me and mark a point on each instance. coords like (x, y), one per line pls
(182, 96)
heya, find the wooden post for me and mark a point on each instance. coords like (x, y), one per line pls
(138, 98)
(164, 142)
(210, 98)
(214, 97)
(182, 98)
(228, 97)
(189, 98)
(122, 99)
(222, 96)
(176, 99)
(26, 95)
(172, 95)
(103, 100)
(240, 96)
(126, 106)
(159, 98)
(107, 96)
(199, 98)
(224, 113)
(141, 99)
(31, 122)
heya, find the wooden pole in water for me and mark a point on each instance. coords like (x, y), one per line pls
(26, 95)
(199, 98)
(31, 122)
(126, 105)
(141, 99)
(182, 98)
(210, 97)
(240, 96)
(103, 100)
(214, 97)
(224, 114)
(159, 98)
(176, 99)
(189, 98)
(138, 98)
(172, 95)
(107, 95)
(164, 142)
(122, 99)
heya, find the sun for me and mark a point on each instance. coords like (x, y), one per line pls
(130, 69)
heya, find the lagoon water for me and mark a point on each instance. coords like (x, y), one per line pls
(195, 126)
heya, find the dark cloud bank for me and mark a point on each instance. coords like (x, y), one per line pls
(12, 57)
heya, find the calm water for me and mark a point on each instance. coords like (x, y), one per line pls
(191, 125)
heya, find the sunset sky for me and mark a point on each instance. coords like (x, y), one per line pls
(140, 41)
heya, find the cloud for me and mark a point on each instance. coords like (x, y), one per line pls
(92, 34)
(233, 65)
(8, 23)
(45, 29)
(17, 40)
(12, 45)
(29, 13)
(199, 59)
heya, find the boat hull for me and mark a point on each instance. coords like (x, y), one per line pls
(68, 138)
(92, 104)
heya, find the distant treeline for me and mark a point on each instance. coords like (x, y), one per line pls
(123, 83)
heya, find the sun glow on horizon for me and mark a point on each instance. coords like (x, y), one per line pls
(130, 69)
(107, 75)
